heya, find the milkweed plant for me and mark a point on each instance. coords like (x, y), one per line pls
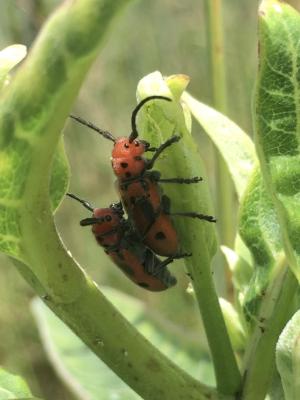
(254, 338)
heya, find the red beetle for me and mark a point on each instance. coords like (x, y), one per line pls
(149, 209)
(141, 195)
(120, 242)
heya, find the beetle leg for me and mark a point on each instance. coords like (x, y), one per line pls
(161, 148)
(208, 218)
(85, 203)
(162, 265)
(195, 179)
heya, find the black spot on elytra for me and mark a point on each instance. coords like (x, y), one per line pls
(138, 158)
(108, 218)
(132, 200)
(143, 284)
(160, 236)
(128, 174)
(124, 164)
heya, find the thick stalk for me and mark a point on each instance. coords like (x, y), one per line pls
(260, 355)
(226, 369)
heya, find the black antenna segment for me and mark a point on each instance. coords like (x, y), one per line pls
(90, 125)
(134, 134)
(83, 202)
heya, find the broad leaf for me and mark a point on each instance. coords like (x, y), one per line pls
(240, 268)
(288, 358)
(33, 111)
(13, 387)
(234, 326)
(9, 58)
(60, 174)
(234, 145)
(277, 106)
(259, 229)
(157, 123)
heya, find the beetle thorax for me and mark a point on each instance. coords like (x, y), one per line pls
(127, 160)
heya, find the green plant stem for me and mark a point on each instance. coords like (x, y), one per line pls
(226, 369)
(274, 314)
(224, 198)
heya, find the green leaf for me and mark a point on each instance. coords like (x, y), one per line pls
(240, 268)
(33, 111)
(9, 58)
(234, 145)
(60, 175)
(32, 117)
(259, 229)
(13, 387)
(89, 377)
(288, 358)
(235, 328)
(157, 122)
(276, 390)
(277, 118)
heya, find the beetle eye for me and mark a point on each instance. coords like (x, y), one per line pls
(136, 144)
(126, 146)
(108, 218)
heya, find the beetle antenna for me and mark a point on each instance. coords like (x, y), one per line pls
(134, 134)
(105, 134)
(83, 202)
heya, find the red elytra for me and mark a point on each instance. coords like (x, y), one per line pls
(119, 241)
(139, 189)
(143, 202)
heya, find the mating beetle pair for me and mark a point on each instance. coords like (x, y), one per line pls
(133, 243)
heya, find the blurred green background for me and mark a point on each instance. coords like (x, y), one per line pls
(166, 35)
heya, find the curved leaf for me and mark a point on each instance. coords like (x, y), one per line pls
(60, 175)
(235, 329)
(288, 358)
(13, 387)
(234, 145)
(157, 123)
(277, 118)
(9, 58)
(32, 113)
(240, 268)
(259, 229)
